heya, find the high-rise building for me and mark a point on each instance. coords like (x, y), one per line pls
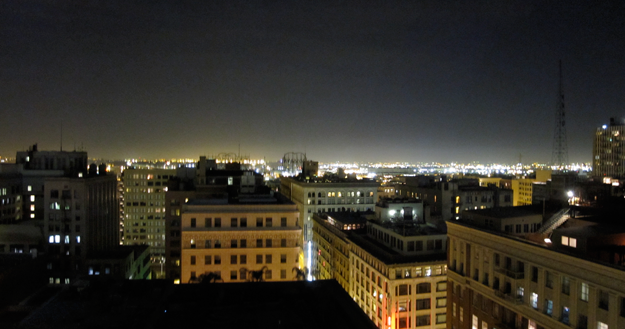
(144, 209)
(248, 238)
(608, 151)
(570, 277)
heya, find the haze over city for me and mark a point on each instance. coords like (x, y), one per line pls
(399, 81)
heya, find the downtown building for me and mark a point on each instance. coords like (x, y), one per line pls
(253, 237)
(390, 261)
(319, 195)
(608, 151)
(144, 211)
(204, 181)
(73, 207)
(569, 277)
(448, 198)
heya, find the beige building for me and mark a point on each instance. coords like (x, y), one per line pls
(497, 280)
(144, 210)
(398, 280)
(318, 196)
(239, 239)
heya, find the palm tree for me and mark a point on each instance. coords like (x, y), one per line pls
(300, 273)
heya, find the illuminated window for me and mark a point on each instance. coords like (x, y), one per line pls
(584, 295)
(32, 198)
(78, 239)
(474, 323)
(51, 239)
(66, 239)
(601, 325)
(29, 188)
(57, 239)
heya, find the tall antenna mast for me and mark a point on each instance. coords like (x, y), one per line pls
(559, 155)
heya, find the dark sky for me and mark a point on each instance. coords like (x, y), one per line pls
(340, 80)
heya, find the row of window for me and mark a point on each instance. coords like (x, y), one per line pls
(421, 288)
(239, 222)
(237, 244)
(243, 274)
(340, 194)
(54, 239)
(237, 259)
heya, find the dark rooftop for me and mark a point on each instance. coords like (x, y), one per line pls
(159, 304)
(505, 212)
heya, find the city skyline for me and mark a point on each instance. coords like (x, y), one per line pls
(407, 81)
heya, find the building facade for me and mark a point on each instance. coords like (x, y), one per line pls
(497, 280)
(608, 151)
(398, 278)
(253, 239)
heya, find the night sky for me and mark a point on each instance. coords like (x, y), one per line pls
(340, 80)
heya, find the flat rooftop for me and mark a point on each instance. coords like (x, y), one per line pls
(160, 304)
(508, 212)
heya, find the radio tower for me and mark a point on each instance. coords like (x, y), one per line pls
(559, 155)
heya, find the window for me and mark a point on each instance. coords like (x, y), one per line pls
(243, 259)
(207, 260)
(601, 325)
(243, 243)
(604, 300)
(233, 222)
(484, 325)
(233, 243)
(233, 259)
(217, 222)
(564, 317)
(282, 274)
(268, 222)
(192, 260)
(267, 259)
(243, 222)
(423, 320)
(217, 259)
(423, 288)
(548, 279)
(233, 275)
(259, 243)
(283, 259)
(549, 307)
(402, 290)
(192, 222)
(259, 259)
(268, 243)
(441, 302)
(534, 274)
(441, 286)
(584, 293)
(534, 300)
(207, 222)
(259, 222)
(423, 304)
(283, 243)
(268, 275)
(582, 322)
(207, 244)
(217, 244)
(283, 221)
(566, 286)
(474, 323)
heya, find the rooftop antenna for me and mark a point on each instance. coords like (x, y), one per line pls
(559, 155)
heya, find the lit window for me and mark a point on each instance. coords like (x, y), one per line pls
(78, 239)
(475, 322)
(32, 215)
(534, 300)
(584, 294)
(29, 188)
(601, 325)
(51, 239)
(32, 198)
(66, 239)
(573, 243)
(57, 239)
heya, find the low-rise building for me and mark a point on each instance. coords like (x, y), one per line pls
(394, 270)
(250, 238)
(571, 277)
